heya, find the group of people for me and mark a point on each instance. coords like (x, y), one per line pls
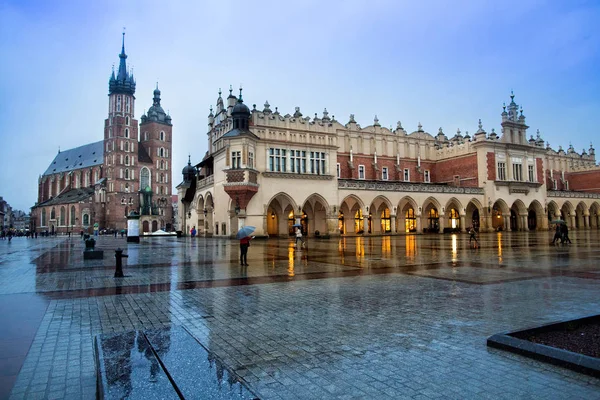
(561, 233)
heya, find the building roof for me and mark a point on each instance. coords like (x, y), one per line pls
(70, 196)
(143, 156)
(84, 156)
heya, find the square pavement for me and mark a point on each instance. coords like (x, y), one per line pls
(350, 318)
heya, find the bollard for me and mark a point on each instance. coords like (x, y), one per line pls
(119, 268)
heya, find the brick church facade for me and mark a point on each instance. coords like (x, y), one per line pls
(95, 186)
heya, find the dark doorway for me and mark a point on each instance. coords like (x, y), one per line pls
(532, 220)
(513, 220)
(475, 219)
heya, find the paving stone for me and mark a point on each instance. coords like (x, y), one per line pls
(407, 325)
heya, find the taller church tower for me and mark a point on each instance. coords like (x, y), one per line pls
(120, 146)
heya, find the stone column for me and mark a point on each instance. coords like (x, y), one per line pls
(573, 225)
(506, 222)
(586, 221)
(442, 223)
(463, 228)
(394, 223)
(419, 224)
(524, 223)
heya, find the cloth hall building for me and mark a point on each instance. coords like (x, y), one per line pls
(95, 186)
(272, 171)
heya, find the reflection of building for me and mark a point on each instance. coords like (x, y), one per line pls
(98, 184)
(273, 171)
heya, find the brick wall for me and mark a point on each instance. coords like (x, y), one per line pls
(491, 166)
(384, 162)
(588, 181)
(465, 167)
(539, 164)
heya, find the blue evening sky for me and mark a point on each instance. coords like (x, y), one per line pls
(442, 63)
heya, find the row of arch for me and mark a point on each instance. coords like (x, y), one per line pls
(381, 216)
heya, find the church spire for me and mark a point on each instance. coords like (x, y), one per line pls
(123, 82)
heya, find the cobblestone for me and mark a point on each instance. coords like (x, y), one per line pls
(352, 318)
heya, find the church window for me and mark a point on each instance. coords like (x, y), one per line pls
(118, 103)
(162, 178)
(43, 221)
(86, 219)
(162, 190)
(126, 146)
(57, 186)
(96, 176)
(87, 178)
(122, 200)
(127, 107)
(72, 216)
(127, 118)
(126, 132)
(126, 173)
(127, 187)
(131, 200)
(62, 216)
(161, 152)
(52, 214)
(77, 181)
(144, 178)
(109, 132)
(167, 153)
(126, 160)
(162, 164)
(162, 136)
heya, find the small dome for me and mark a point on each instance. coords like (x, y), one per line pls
(240, 108)
(188, 170)
(157, 92)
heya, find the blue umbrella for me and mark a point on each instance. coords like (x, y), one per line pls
(245, 231)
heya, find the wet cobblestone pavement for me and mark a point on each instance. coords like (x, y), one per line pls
(352, 318)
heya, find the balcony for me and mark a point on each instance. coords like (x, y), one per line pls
(405, 187)
(208, 181)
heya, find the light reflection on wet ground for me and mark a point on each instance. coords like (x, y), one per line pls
(327, 317)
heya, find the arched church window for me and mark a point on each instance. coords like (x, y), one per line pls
(144, 178)
(43, 222)
(161, 152)
(52, 214)
(162, 178)
(110, 132)
(126, 146)
(126, 132)
(126, 173)
(127, 187)
(86, 219)
(118, 103)
(62, 216)
(72, 217)
(162, 135)
(162, 164)
(127, 106)
(126, 160)
(127, 118)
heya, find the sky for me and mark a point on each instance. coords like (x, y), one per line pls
(435, 62)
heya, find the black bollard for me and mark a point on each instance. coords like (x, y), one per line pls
(119, 268)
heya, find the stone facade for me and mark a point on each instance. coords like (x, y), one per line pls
(94, 186)
(344, 179)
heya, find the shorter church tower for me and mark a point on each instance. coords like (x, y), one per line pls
(155, 163)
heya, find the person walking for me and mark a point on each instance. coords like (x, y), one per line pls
(299, 237)
(473, 236)
(557, 235)
(193, 231)
(565, 234)
(244, 244)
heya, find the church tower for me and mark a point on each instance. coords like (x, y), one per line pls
(155, 164)
(121, 146)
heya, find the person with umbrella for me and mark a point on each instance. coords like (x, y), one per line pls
(244, 236)
(299, 235)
